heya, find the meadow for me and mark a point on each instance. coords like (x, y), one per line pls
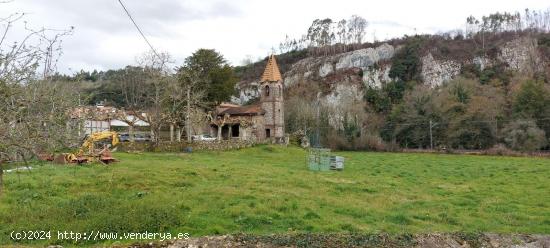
(268, 189)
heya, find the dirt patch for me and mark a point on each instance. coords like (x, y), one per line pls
(457, 240)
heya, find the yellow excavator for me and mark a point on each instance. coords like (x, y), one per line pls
(96, 147)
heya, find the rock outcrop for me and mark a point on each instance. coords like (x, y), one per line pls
(319, 68)
(326, 69)
(364, 58)
(247, 92)
(376, 76)
(374, 65)
(521, 55)
(436, 72)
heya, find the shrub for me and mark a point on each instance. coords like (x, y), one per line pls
(406, 64)
(524, 135)
(370, 142)
(500, 150)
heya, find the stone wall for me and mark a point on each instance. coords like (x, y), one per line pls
(182, 146)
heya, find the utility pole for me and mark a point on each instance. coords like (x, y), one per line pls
(318, 117)
(431, 137)
(432, 125)
(188, 127)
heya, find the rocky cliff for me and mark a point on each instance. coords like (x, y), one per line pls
(372, 66)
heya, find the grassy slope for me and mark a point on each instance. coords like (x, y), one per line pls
(269, 190)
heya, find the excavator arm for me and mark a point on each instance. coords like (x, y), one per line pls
(99, 136)
(88, 152)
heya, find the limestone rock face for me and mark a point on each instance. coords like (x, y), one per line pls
(291, 80)
(247, 92)
(343, 97)
(376, 77)
(364, 58)
(326, 69)
(436, 72)
(521, 55)
(482, 62)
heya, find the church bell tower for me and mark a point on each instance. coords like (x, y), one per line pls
(271, 85)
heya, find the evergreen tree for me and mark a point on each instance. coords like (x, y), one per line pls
(215, 72)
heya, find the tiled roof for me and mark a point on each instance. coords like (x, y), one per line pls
(243, 110)
(224, 106)
(271, 73)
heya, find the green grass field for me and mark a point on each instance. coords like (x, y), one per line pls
(268, 189)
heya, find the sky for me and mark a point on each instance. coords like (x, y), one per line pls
(105, 38)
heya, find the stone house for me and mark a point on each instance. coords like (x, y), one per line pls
(257, 122)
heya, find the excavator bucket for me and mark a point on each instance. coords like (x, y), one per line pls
(106, 156)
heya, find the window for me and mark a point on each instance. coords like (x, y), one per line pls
(267, 90)
(267, 133)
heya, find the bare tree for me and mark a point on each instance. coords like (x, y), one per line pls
(156, 67)
(356, 28)
(130, 117)
(133, 85)
(218, 121)
(34, 114)
(188, 84)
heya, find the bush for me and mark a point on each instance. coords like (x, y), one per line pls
(524, 135)
(367, 142)
(406, 63)
(500, 150)
(372, 143)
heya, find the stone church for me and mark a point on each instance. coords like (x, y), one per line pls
(263, 121)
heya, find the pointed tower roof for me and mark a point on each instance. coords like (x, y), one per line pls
(271, 72)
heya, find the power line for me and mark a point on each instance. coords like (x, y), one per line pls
(139, 29)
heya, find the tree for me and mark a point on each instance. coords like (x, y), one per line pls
(219, 121)
(214, 72)
(532, 101)
(34, 111)
(131, 83)
(524, 135)
(189, 82)
(319, 33)
(356, 28)
(409, 122)
(156, 67)
(406, 64)
(469, 113)
(342, 31)
(378, 100)
(300, 115)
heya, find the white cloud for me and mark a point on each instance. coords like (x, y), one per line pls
(104, 37)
